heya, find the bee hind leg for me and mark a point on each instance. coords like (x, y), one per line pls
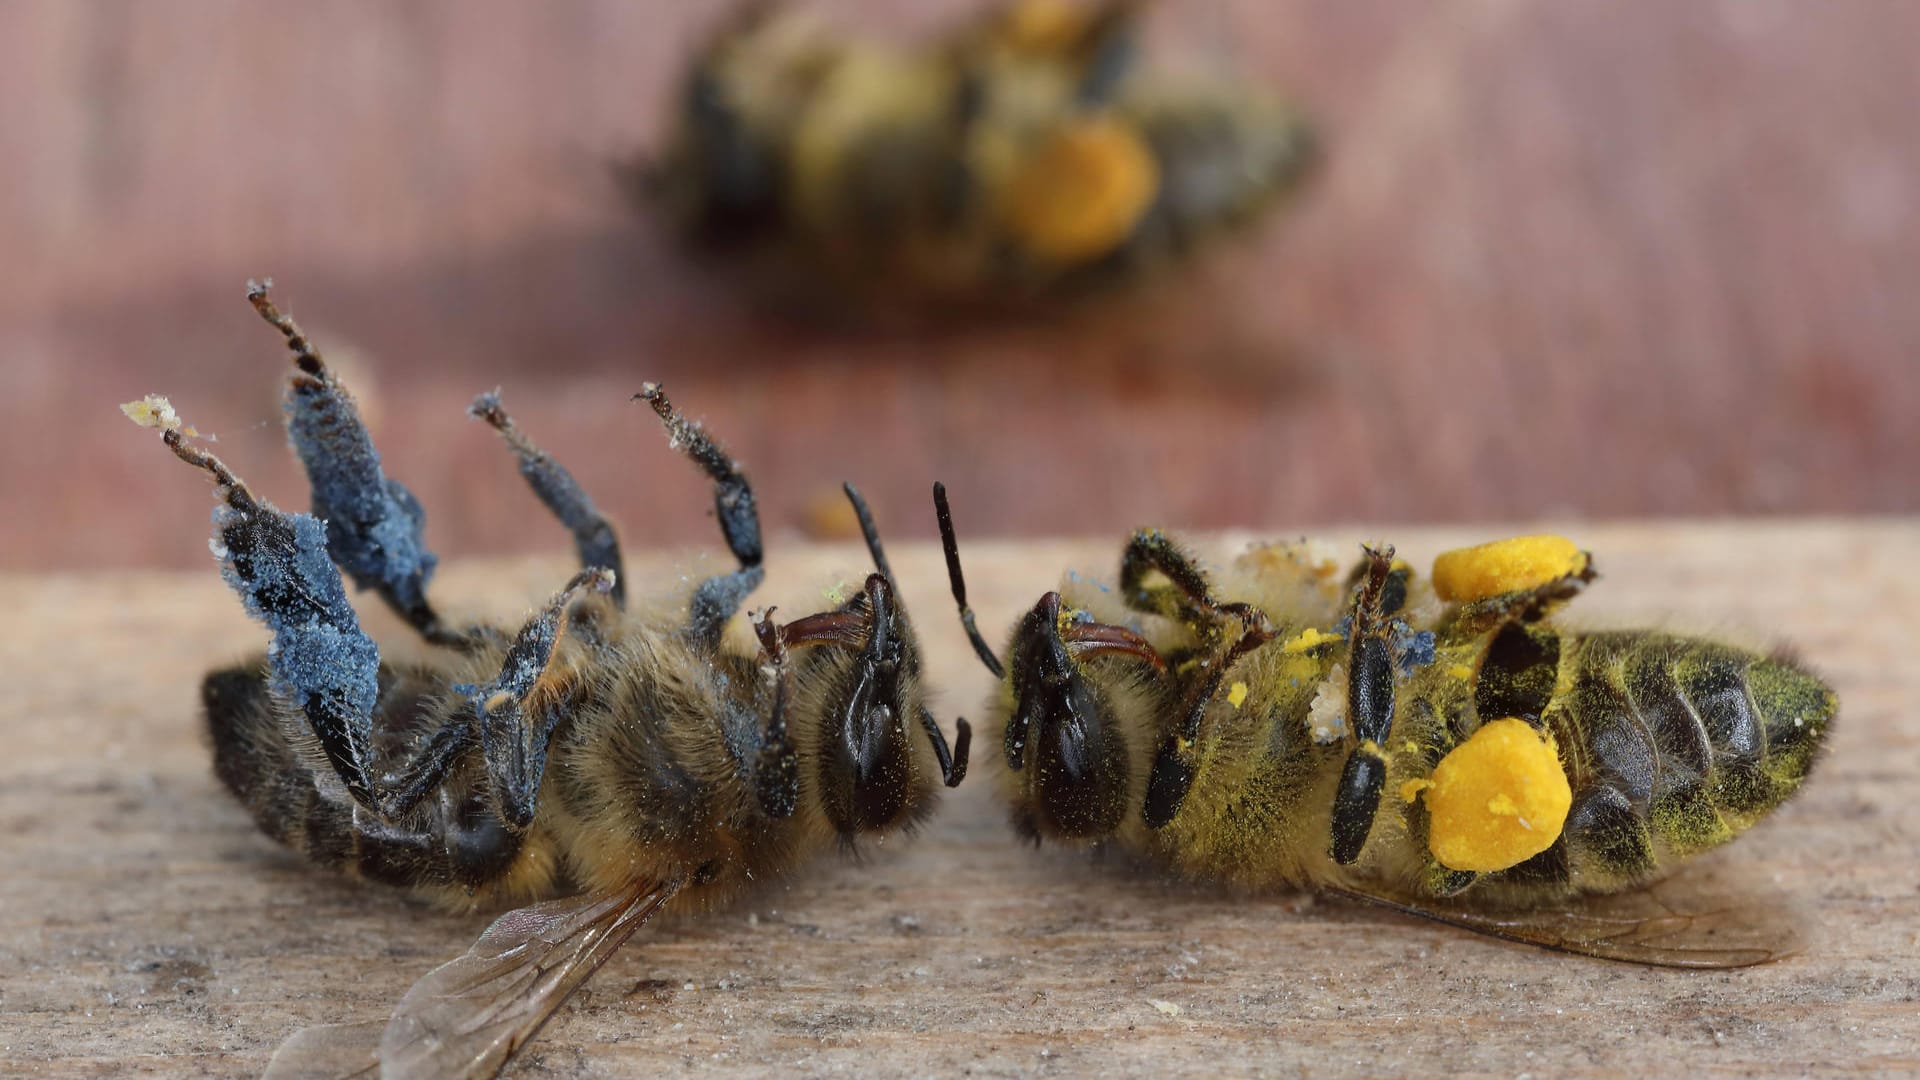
(1185, 597)
(321, 662)
(374, 525)
(513, 744)
(593, 536)
(1370, 703)
(718, 598)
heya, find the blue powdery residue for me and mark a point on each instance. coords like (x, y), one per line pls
(374, 524)
(1414, 649)
(318, 647)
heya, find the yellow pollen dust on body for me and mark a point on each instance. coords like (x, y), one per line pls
(1237, 694)
(1504, 566)
(1307, 639)
(1496, 800)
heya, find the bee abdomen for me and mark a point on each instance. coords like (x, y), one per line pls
(454, 842)
(1675, 745)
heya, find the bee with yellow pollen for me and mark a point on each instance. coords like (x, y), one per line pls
(1443, 746)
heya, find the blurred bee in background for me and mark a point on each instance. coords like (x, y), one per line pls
(1443, 748)
(1022, 155)
(622, 759)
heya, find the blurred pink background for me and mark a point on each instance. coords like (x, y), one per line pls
(1588, 258)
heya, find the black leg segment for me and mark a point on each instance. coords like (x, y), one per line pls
(776, 772)
(514, 744)
(716, 599)
(593, 535)
(1370, 705)
(1186, 592)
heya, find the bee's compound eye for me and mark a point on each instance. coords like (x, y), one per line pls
(865, 779)
(1082, 768)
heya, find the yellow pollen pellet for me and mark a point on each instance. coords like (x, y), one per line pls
(1504, 566)
(1080, 194)
(1237, 694)
(1496, 800)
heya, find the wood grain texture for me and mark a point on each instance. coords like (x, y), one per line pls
(145, 925)
(1592, 257)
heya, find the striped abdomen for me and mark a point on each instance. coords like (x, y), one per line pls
(450, 846)
(1671, 745)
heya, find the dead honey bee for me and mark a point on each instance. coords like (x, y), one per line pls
(608, 762)
(1021, 154)
(1443, 748)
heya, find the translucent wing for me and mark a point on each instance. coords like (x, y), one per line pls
(329, 1052)
(1669, 924)
(469, 1015)
(466, 1017)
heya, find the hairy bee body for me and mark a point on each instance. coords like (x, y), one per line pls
(1013, 157)
(1670, 745)
(649, 775)
(596, 764)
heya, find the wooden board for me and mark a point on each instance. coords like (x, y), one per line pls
(145, 925)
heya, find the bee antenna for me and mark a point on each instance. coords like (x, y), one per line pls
(869, 531)
(959, 582)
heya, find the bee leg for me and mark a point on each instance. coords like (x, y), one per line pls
(1183, 597)
(716, 599)
(953, 762)
(397, 792)
(321, 662)
(1476, 617)
(776, 772)
(1176, 762)
(513, 745)
(1370, 702)
(593, 536)
(373, 522)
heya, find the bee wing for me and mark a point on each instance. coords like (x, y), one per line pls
(328, 1052)
(466, 1017)
(1668, 924)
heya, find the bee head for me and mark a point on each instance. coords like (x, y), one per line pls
(870, 700)
(1062, 732)
(867, 776)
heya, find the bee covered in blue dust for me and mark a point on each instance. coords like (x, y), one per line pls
(604, 761)
(1445, 747)
(1023, 155)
